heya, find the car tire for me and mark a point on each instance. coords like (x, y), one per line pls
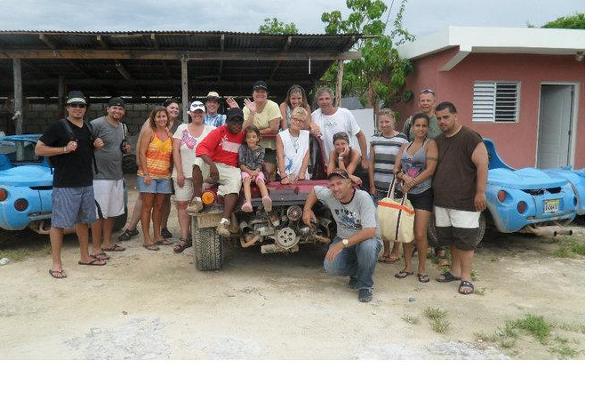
(208, 249)
(433, 238)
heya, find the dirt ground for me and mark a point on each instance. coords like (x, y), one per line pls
(147, 305)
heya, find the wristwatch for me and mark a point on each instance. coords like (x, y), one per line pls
(345, 242)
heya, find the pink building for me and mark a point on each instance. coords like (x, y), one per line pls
(522, 87)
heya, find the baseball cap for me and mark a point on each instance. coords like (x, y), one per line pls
(234, 113)
(338, 172)
(76, 97)
(213, 95)
(260, 85)
(197, 105)
(116, 101)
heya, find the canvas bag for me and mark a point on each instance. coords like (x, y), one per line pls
(396, 217)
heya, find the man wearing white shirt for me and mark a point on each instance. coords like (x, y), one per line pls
(330, 120)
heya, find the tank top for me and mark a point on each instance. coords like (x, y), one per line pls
(414, 166)
(158, 157)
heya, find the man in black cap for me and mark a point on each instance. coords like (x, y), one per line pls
(217, 162)
(108, 176)
(355, 249)
(70, 145)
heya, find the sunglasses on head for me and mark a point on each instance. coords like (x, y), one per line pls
(77, 105)
(428, 91)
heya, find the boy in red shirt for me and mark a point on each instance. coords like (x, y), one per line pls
(217, 162)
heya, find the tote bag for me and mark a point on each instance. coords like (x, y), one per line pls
(396, 217)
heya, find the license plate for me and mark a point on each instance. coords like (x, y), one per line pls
(551, 206)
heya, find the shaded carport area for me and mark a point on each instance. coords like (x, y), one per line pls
(146, 66)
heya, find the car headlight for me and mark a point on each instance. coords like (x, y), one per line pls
(3, 194)
(21, 204)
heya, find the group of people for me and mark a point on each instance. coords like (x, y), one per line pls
(438, 163)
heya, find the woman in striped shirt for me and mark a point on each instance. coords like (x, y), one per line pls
(385, 145)
(154, 175)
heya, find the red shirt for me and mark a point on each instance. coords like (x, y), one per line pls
(221, 146)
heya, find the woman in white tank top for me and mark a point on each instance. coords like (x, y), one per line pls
(292, 149)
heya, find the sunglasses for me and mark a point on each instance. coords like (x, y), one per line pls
(77, 105)
(427, 91)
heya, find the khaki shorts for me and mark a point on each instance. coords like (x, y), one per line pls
(230, 178)
(184, 193)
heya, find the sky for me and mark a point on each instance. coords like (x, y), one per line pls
(421, 16)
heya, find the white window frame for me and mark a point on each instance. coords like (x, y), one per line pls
(491, 102)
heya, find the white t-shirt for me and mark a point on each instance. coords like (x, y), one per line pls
(188, 147)
(294, 150)
(340, 121)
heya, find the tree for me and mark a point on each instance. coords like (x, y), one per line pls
(576, 21)
(380, 73)
(278, 27)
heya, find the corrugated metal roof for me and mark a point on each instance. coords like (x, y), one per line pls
(99, 77)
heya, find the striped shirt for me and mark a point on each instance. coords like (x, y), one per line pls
(158, 157)
(385, 150)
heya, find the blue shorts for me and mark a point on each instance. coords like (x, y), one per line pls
(73, 205)
(162, 186)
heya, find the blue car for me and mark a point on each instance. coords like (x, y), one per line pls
(26, 186)
(529, 198)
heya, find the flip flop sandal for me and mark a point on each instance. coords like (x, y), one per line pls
(127, 234)
(468, 285)
(57, 274)
(114, 247)
(403, 274)
(391, 260)
(163, 242)
(447, 277)
(182, 245)
(423, 278)
(151, 247)
(383, 259)
(101, 256)
(95, 261)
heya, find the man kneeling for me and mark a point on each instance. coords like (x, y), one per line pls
(217, 162)
(355, 249)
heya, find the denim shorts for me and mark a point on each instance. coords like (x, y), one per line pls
(162, 186)
(72, 205)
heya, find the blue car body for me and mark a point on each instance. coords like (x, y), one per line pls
(546, 196)
(23, 176)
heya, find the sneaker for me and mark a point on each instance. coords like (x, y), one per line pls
(165, 233)
(223, 228)
(195, 206)
(365, 295)
(353, 283)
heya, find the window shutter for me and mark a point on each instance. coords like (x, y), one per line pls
(495, 101)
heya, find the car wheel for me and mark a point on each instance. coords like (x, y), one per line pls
(208, 248)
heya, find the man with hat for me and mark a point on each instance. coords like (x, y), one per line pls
(355, 249)
(108, 176)
(70, 144)
(217, 162)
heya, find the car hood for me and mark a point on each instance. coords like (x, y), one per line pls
(26, 175)
(526, 178)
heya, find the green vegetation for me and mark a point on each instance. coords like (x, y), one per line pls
(380, 73)
(536, 326)
(437, 319)
(409, 319)
(570, 248)
(273, 25)
(576, 21)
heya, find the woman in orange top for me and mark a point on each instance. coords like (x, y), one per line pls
(154, 175)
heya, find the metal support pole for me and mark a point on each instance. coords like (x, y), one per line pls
(184, 87)
(61, 92)
(18, 95)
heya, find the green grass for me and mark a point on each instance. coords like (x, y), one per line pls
(437, 319)
(536, 326)
(570, 248)
(409, 319)
(480, 291)
(474, 275)
(564, 351)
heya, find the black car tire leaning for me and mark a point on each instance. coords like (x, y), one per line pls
(208, 249)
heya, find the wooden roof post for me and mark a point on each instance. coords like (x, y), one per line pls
(338, 83)
(184, 87)
(18, 95)
(61, 94)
